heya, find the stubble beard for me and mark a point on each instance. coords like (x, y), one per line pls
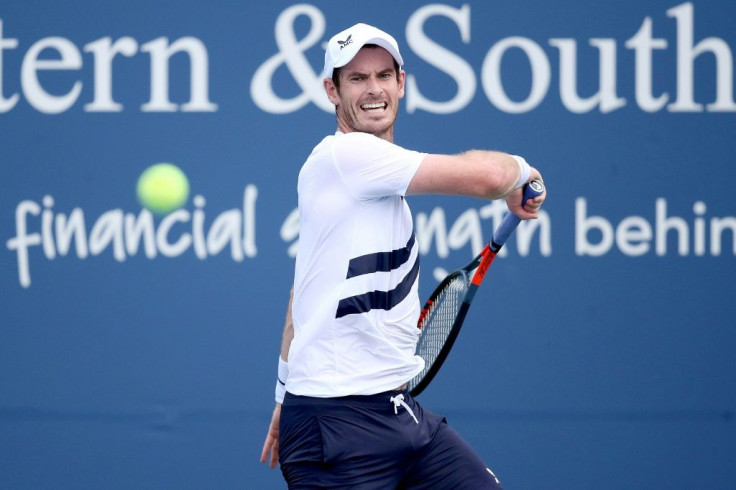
(355, 121)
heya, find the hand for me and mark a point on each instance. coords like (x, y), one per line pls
(271, 444)
(531, 207)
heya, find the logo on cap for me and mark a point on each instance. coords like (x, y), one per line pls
(344, 43)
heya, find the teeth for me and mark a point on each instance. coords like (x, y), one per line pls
(372, 106)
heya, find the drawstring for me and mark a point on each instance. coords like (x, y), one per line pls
(398, 401)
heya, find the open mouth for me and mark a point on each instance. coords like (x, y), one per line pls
(374, 107)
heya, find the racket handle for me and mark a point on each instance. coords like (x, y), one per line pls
(511, 221)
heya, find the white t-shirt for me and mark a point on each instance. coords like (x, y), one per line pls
(356, 303)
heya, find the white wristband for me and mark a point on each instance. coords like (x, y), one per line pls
(524, 170)
(283, 373)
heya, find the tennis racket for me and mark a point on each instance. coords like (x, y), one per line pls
(444, 312)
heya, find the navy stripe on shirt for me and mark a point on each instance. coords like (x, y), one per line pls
(381, 261)
(379, 300)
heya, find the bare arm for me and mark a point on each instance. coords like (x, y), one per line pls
(270, 451)
(484, 174)
(288, 334)
(475, 173)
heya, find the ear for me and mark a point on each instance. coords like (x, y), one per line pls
(402, 81)
(332, 91)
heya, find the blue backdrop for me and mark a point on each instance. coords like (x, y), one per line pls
(140, 351)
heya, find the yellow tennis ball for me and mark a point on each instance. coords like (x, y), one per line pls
(162, 188)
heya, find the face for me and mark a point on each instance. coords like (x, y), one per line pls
(369, 93)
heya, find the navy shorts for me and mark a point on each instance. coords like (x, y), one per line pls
(383, 441)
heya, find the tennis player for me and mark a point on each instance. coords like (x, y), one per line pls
(343, 417)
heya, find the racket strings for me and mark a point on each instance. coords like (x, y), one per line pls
(438, 322)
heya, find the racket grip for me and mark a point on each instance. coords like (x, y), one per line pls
(511, 221)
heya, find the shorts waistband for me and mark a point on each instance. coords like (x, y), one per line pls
(376, 399)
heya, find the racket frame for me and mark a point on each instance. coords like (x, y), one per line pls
(480, 264)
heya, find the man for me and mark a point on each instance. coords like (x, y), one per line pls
(343, 417)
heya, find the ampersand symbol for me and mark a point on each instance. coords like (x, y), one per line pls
(291, 52)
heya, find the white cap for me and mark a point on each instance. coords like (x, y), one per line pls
(343, 46)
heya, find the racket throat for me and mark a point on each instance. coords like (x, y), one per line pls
(480, 272)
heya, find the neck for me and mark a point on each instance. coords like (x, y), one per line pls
(387, 135)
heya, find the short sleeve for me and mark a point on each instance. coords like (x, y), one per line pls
(372, 167)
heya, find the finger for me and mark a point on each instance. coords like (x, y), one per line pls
(264, 452)
(267, 446)
(274, 454)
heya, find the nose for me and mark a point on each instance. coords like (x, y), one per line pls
(374, 88)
